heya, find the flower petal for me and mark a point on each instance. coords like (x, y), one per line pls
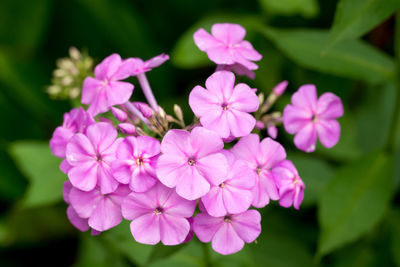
(79, 150)
(328, 132)
(175, 142)
(306, 138)
(106, 215)
(244, 99)
(204, 40)
(80, 223)
(206, 226)
(295, 118)
(271, 153)
(138, 204)
(205, 142)
(306, 97)
(247, 148)
(102, 135)
(228, 33)
(226, 240)
(173, 230)
(84, 176)
(59, 140)
(247, 225)
(83, 202)
(107, 67)
(202, 101)
(214, 203)
(329, 106)
(146, 229)
(193, 185)
(213, 167)
(240, 123)
(221, 83)
(118, 93)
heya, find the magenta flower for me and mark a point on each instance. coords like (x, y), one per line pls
(135, 163)
(191, 162)
(91, 155)
(102, 211)
(75, 121)
(80, 223)
(223, 107)
(308, 118)
(226, 46)
(291, 187)
(261, 157)
(228, 233)
(234, 195)
(158, 214)
(106, 89)
(138, 66)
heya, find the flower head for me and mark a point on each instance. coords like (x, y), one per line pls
(226, 45)
(261, 157)
(135, 162)
(90, 157)
(223, 107)
(191, 162)
(309, 117)
(138, 66)
(234, 195)
(228, 233)
(158, 215)
(106, 89)
(291, 187)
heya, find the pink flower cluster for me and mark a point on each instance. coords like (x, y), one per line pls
(156, 178)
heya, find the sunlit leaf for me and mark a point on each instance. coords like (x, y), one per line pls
(307, 8)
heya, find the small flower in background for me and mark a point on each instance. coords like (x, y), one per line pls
(309, 117)
(106, 89)
(223, 107)
(226, 47)
(158, 215)
(228, 233)
(291, 187)
(191, 162)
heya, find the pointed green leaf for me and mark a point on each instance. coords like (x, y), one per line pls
(354, 201)
(307, 8)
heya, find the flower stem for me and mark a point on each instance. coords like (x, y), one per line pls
(144, 83)
(136, 112)
(206, 254)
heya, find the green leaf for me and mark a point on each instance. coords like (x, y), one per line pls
(36, 162)
(394, 224)
(315, 173)
(161, 251)
(306, 8)
(354, 59)
(191, 255)
(354, 18)
(354, 201)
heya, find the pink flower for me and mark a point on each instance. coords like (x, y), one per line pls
(228, 233)
(308, 118)
(138, 66)
(75, 121)
(226, 46)
(135, 163)
(80, 223)
(223, 107)
(106, 89)
(261, 157)
(291, 187)
(158, 214)
(102, 211)
(91, 155)
(191, 162)
(234, 195)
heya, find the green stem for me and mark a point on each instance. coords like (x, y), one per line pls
(206, 254)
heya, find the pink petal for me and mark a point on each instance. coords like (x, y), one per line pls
(206, 226)
(156, 61)
(146, 229)
(214, 203)
(306, 97)
(148, 146)
(106, 215)
(121, 171)
(221, 83)
(65, 166)
(226, 240)
(83, 202)
(102, 135)
(142, 182)
(138, 204)
(175, 142)
(178, 206)
(105, 179)
(241, 70)
(247, 148)
(205, 142)
(298, 197)
(204, 40)
(329, 106)
(269, 185)
(118, 93)
(247, 51)
(271, 153)
(228, 33)
(170, 169)
(59, 140)
(244, 99)
(67, 186)
(99, 103)
(240, 123)
(107, 67)
(84, 176)
(123, 72)
(173, 230)
(193, 185)
(202, 101)
(286, 198)
(90, 89)
(216, 121)
(306, 138)
(213, 167)
(247, 225)
(295, 118)
(220, 55)
(236, 200)
(260, 197)
(241, 176)
(328, 132)
(239, 58)
(79, 150)
(79, 223)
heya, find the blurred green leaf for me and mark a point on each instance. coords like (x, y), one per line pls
(190, 255)
(394, 223)
(353, 18)
(161, 251)
(242, 258)
(12, 183)
(41, 168)
(354, 59)
(354, 201)
(315, 173)
(307, 8)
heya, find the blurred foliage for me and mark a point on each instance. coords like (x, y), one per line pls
(351, 212)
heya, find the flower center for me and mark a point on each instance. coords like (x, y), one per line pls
(227, 218)
(225, 106)
(314, 118)
(258, 170)
(222, 185)
(191, 162)
(98, 157)
(158, 211)
(139, 161)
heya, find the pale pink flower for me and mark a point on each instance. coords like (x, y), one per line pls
(291, 187)
(234, 195)
(106, 89)
(102, 211)
(158, 215)
(228, 233)
(80, 223)
(223, 107)
(191, 162)
(135, 162)
(309, 117)
(75, 121)
(91, 155)
(261, 157)
(226, 45)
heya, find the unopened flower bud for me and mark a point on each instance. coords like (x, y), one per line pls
(74, 53)
(119, 114)
(178, 112)
(127, 128)
(280, 88)
(260, 125)
(272, 131)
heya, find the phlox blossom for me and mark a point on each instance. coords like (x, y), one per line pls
(138, 66)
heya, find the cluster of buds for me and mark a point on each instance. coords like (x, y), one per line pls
(69, 75)
(171, 180)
